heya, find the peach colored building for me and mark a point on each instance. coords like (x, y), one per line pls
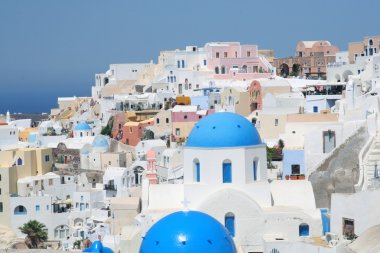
(133, 131)
(368, 47)
(259, 88)
(230, 60)
(311, 59)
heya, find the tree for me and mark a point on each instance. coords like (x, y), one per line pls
(35, 233)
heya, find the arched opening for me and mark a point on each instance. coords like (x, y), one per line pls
(223, 70)
(304, 229)
(284, 70)
(106, 81)
(296, 68)
(337, 78)
(197, 170)
(61, 232)
(229, 223)
(244, 69)
(19, 161)
(370, 42)
(346, 74)
(227, 171)
(20, 210)
(78, 222)
(254, 120)
(216, 70)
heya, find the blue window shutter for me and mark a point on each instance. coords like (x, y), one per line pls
(304, 230)
(230, 224)
(198, 172)
(227, 174)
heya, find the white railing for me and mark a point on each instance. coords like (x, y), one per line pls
(361, 184)
(266, 63)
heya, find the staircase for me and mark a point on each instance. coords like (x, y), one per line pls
(371, 164)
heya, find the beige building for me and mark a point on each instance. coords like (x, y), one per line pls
(115, 159)
(368, 47)
(236, 99)
(162, 123)
(16, 164)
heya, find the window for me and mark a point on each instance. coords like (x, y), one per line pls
(370, 42)
(19, 161)
(254, 170)
(223, 70)
(315, 108)
(217, 55)
(178, 64)
(227, 173)
(225, 54)
(229, 223)
(20, 210)
(197, 171)
(248, 53)
(296, 170)
(274, 251)
(130, 130)
(158, 121)
(1, 207)
(47, 207)
(37, 208)
(50, 181)
(348, 228)
(86, 205)
(177, 131)
(303, 230)
(183, 64)
(204, 62)
(47, 158)
(328, 141)
(276, 122)
(185, 117)
(216, 70)
(0, 191)
(200, 116)
(167, 120)
(109, 162)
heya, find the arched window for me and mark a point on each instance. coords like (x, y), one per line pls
(274, 251)
(19, 161)
(61, 232)
(171, 79)
(227, 171)
(81, 134)
(370, 42)
(223, 70)
(158, 121)
(255, 163)
(216, 70)
(197, 170)
(183, 63)
(244, 69)
(304, 230)
(229, 223)
(167, 120)
(20, 210)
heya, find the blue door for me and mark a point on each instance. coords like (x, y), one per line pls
(198, 172)
(227, 175)
(315, 108)
(254, 170)
(304, 230)
(229, 221)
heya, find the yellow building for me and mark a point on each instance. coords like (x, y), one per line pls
(16, 164)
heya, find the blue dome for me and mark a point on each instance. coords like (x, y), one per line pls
(222, 130)
(100, 142)
(188, 232)
(97, 247)
(82, 127)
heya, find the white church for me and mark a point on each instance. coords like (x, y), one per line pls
(225, 176)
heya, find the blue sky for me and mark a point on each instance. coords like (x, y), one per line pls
(51, 48)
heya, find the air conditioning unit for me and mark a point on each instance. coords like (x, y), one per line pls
(331, 237)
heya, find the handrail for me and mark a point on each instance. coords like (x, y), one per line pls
(362, 168)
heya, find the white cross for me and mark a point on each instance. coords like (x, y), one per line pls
(185, 204)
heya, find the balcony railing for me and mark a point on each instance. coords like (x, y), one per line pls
(110, 187)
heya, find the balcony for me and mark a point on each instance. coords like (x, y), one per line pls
(110, 187)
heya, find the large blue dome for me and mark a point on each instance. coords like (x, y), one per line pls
(82, 127)
(188, 232)
(222, 130)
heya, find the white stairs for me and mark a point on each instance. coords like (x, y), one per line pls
(372, 162)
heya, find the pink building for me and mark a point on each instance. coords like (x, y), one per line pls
(133, 131)
(230, 60)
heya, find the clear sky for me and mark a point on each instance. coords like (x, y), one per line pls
(51, 48)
